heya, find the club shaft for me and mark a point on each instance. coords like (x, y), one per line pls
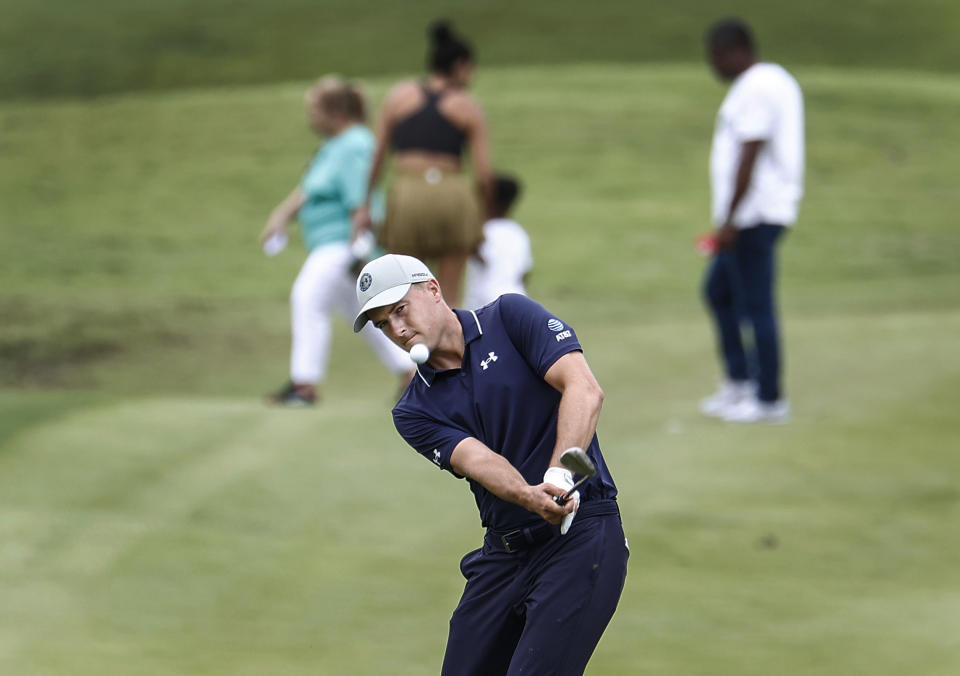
(562, 500)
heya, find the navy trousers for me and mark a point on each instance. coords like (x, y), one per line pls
(739, 288)
(542, 611)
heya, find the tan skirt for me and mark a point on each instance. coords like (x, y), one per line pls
(431, 214)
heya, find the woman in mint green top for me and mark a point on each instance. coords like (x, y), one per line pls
(332, 188)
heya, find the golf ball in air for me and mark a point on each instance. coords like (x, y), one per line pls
(419, 353)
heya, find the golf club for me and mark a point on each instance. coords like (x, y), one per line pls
(577, 461)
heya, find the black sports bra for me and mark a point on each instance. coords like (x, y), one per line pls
(427, 129)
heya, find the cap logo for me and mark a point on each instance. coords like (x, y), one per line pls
(419, 274)
(555, 325)
(366, 279)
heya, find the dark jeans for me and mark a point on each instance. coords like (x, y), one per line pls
(739, 287)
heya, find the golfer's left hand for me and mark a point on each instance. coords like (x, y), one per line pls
(562, 478)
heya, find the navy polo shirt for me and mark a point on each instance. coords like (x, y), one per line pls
(498, 396)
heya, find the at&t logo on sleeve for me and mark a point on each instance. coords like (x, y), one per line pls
(556, 326)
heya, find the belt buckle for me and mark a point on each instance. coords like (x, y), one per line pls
(506, 544)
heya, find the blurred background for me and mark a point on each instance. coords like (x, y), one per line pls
(157, 518)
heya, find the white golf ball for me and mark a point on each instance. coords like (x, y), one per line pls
(419, 353)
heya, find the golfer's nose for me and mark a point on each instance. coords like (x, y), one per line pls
(398, 326)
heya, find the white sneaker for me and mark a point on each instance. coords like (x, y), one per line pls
(731, 393)
(752, 410)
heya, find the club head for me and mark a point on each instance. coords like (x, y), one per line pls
(577, 461)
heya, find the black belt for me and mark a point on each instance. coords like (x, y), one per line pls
(522, 539)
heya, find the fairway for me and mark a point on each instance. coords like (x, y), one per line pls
(157, 518)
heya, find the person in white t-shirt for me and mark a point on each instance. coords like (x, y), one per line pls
(504, 259)
(756, 177)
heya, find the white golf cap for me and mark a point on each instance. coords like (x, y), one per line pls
(385, 280)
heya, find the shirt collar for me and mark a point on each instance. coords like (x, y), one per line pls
(472, 330)
(471, 325)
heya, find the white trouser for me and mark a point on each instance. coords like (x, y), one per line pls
(324, 285)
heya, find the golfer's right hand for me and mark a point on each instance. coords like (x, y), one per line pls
(542, 502)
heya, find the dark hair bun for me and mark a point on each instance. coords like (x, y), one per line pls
(446, 47)
(441, 32)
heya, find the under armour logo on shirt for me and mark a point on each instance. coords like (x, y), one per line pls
(436, 456)
(485, 364)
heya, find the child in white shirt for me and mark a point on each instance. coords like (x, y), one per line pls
(504, 259)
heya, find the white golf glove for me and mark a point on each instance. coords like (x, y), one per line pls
(562, 478)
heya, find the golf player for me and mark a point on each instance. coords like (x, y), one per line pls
(504, 392)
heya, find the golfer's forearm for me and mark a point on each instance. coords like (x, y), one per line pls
(577, 417)
(581, 398)
(472, 459)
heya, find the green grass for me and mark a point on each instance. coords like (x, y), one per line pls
(213, 535)
(155, 518)
(132, 221)
(62, 48)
